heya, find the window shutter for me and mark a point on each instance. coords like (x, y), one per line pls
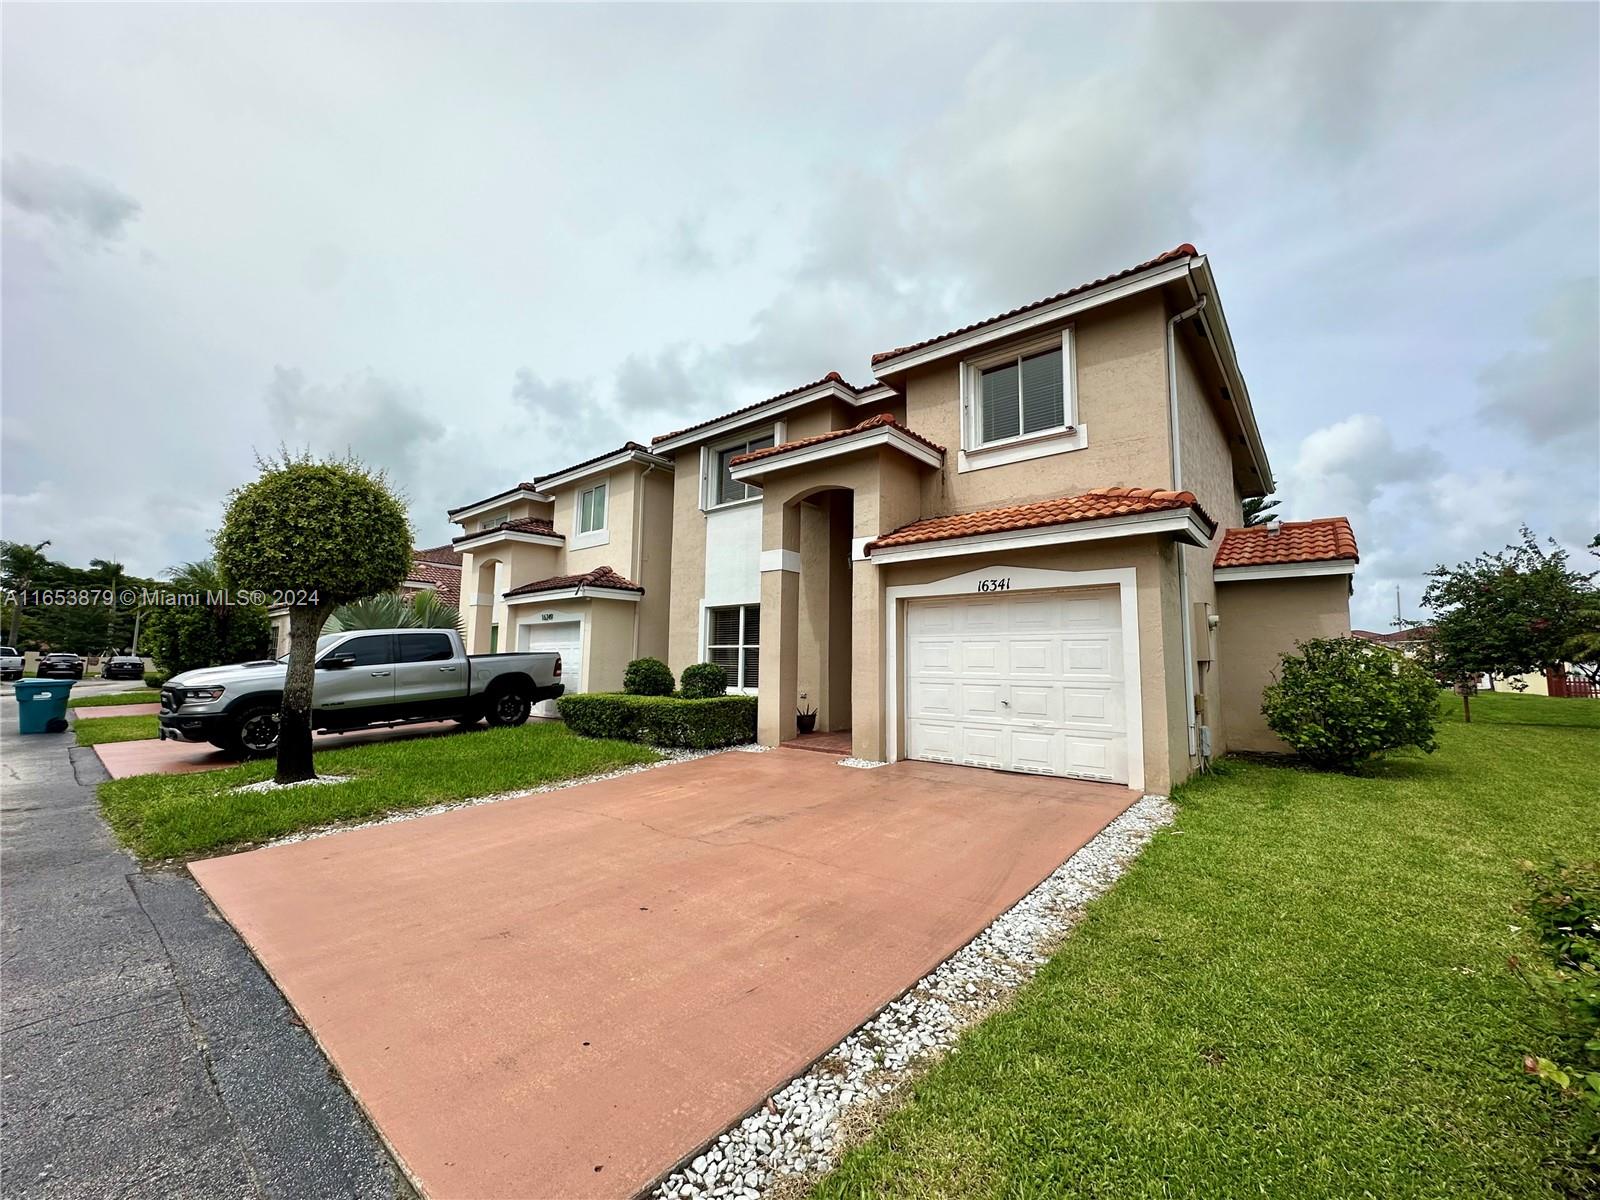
(1042, 392)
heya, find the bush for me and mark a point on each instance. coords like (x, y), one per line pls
(647, 677)
(1565, 915)
(702, 681)
(1339, 701)
(661, 720)
(154, 679)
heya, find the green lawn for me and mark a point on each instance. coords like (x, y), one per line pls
(103, 699)
(189, 816)
(1300, 992)
(116, 729)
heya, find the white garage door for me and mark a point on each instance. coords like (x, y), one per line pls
(1019, 681)
(564, 637)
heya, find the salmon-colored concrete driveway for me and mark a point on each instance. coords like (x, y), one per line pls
(562, 994)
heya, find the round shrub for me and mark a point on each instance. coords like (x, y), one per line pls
(154, 679)
(1339, 701)
(647, 677)
(702, 681)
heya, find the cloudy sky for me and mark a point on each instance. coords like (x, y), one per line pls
(474, 244)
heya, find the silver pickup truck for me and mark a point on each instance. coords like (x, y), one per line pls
(364, 677)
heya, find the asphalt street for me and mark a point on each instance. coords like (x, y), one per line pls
(145, 1051)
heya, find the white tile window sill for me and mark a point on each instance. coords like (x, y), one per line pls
(1061, 441)
(595, 537)
(746, 502)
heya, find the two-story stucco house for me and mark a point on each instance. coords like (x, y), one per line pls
(1020, 547)
(578, 560)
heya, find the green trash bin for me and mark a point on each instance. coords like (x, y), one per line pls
(42, 705)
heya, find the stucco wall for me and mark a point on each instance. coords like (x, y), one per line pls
(1262, 619)
(688, 568)
(481, 590)
(616, 551)
(1122, 388)
(654, 555)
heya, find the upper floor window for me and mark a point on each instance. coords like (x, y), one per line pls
(725, 489)
(1020, 403)
(592, 509)
(1021, 397)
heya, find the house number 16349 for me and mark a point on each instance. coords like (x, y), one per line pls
(995, 585)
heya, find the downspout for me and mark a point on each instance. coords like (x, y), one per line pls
(1184, 621)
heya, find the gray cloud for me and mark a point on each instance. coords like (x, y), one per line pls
(1550, 392)
(68, 197)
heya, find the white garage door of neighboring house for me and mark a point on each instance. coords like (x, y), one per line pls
(1019, 681)
(564, 637)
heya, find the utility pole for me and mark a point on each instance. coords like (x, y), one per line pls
(1399, 621)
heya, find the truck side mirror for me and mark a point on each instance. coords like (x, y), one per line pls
(338, 662)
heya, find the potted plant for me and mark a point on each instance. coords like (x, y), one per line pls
(805, 717)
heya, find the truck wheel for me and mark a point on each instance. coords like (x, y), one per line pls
(509, 708)
(255, 732)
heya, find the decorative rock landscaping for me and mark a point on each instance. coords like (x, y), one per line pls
(801, 1129)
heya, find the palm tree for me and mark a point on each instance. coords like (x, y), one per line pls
(1258, 510)
(392, 611)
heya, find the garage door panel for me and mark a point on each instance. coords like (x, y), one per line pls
(982, 656)
(1034, 656)
(1025, 681)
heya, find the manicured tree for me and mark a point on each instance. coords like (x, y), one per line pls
(319, 534)
(1511, 612)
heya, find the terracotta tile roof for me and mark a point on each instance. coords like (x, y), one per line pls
(1091, 506)
(537, 525)
(446, 579)
(830, 377)
(1160, 260)
(438, 554)
(622, 449)
(1323, 540)
(599, 577)
(881, 420)
(516, 487)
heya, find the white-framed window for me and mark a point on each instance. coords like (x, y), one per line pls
(721, 487)
(1020, 403)
(733, 642)
(592, 509)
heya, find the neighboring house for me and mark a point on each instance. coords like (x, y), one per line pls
(436, 569)
(1020, 547)
(1408, 641)
(577, 561)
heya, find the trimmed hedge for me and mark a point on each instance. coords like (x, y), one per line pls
(702, 681)
(661, 720)
(647, 677)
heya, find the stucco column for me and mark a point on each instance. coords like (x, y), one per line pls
(780, 622)
(866, 662)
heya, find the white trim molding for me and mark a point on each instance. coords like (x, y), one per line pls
(1033, 319)
(600, 466)
(780, 560)
(1299, 570)
(489, 536)
(866, 439)
(858, 548)
(1023, 579)
(457, 515)
(580, 538)
(1183, 523)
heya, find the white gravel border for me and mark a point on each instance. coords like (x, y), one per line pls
(272, 785)
(668, 758)
(799, 1132)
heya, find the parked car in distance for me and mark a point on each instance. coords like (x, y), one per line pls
(122, 666)
(60, 664)
(10, 663)
(364, 677)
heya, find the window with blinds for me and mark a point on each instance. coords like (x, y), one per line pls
(733, 642)
(725, 489)
(1021, 397)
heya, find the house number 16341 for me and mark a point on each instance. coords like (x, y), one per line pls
(995, 585)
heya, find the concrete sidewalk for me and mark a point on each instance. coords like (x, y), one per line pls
(146, 1053)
